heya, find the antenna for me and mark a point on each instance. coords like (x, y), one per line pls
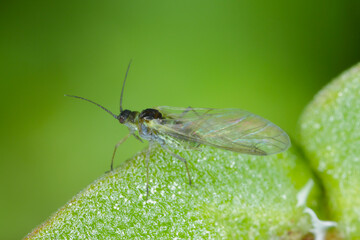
(115, 116)
(122, 90)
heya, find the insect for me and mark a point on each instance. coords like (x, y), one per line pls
(230, 129)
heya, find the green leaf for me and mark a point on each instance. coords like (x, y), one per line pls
(234, 196)
(330, 137)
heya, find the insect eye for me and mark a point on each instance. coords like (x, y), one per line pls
(124, 115)
(121, 119)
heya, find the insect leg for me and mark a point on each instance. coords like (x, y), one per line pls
(151, 143)
(116, 146)
(181, 159)
(188, 109)
(147, 172)
(137, 137)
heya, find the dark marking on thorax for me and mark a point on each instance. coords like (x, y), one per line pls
(150, 114)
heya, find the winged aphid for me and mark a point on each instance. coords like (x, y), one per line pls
(230, 129)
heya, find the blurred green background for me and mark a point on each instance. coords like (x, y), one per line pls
(268, 57)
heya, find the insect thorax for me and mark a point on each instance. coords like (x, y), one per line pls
(144, 128)
(150, 114)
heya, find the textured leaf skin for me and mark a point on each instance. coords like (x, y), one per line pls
(234, 196)
(330, 137)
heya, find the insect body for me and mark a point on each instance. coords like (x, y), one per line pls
(230, 129)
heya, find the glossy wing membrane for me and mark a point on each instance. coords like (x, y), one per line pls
(231, 129)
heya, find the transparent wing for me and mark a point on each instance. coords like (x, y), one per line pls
(231, 129)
